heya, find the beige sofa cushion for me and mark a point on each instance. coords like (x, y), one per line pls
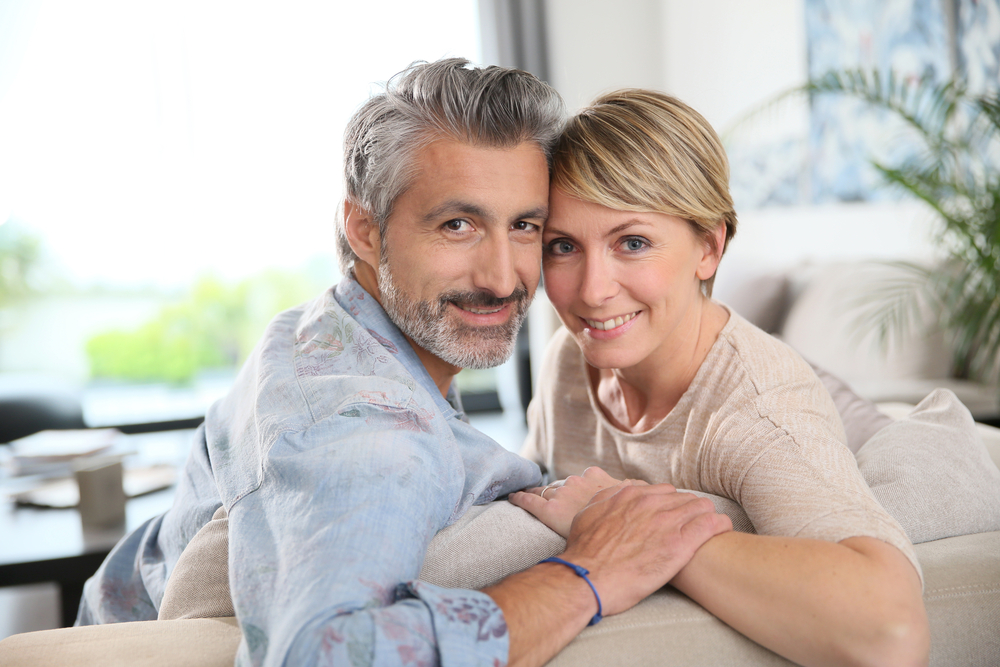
(962, 595)
(822, 326)
(199, 585)
(862, 418)
(761, 298)
(504, 539)
(199, 642)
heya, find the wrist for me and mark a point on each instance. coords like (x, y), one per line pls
(581, 572)
(572, 590)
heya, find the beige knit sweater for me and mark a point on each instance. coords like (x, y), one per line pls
(755, 426)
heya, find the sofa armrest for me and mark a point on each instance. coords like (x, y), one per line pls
(190, 642)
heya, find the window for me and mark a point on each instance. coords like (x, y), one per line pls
(169, 180)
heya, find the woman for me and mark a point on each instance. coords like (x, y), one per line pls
(652, 379)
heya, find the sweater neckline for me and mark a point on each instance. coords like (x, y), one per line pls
(682, 407)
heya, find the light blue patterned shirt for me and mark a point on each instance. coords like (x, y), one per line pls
(337, 460)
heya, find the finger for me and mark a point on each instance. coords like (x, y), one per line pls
(530, 502)
(704, 527)
(723, 523)
(572, 480)
(537, 490)
(598, 475)
(608, 493)
(691, 504)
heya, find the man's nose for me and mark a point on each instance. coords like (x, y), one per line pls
(599, 281)
(494, 268)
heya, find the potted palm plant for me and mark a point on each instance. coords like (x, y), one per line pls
(954, 169)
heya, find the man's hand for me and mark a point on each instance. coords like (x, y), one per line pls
(635, 538)
(632, 536)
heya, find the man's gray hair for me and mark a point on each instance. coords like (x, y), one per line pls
(496, 107)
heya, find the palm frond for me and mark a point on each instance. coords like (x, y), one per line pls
(771, 107)
(893, 305)
(926, 107)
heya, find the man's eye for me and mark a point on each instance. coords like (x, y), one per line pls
(457, 225)
(524, 226)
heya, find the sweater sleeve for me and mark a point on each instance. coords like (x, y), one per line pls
(782, 456)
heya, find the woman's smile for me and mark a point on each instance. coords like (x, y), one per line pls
(609, 324)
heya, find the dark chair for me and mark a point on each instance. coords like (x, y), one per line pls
(29, 404)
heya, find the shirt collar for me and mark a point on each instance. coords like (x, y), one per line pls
(367, 312)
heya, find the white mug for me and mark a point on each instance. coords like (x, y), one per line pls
(102, 497)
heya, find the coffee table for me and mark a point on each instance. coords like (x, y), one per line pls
(43, 545)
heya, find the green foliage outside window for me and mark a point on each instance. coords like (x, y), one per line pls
(215, 326)
(19, 252)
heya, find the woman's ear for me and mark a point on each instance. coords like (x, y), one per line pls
(713, 253)
(362, 233)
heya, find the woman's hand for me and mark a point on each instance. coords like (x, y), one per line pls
(558, 503)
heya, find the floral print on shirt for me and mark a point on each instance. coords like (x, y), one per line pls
(338, 459)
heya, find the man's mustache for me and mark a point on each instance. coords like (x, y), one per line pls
(485, 299)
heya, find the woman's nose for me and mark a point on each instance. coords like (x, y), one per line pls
(599, 282)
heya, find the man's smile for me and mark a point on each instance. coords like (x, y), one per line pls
(479, 311)
(484, 316)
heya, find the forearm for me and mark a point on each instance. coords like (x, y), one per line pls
(631, 539)
(814, 602)
(545, 607)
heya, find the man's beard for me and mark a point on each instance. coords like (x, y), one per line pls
(428, 324)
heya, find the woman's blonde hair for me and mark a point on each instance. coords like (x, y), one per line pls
(640, 150)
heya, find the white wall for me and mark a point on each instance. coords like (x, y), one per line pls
(597, 46)
(720, 56)
(725, 57)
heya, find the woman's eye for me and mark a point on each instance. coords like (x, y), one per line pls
(560, 247)
(634, 244)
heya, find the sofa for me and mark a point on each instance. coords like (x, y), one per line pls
(928, 462)
(815, 308)
(961, 581)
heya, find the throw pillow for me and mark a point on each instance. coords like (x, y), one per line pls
(861, 418)
(199, 585)
(932, 473)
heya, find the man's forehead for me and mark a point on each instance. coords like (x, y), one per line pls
(456, 177)
(444, 151)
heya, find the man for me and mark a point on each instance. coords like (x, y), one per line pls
(342, 448)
